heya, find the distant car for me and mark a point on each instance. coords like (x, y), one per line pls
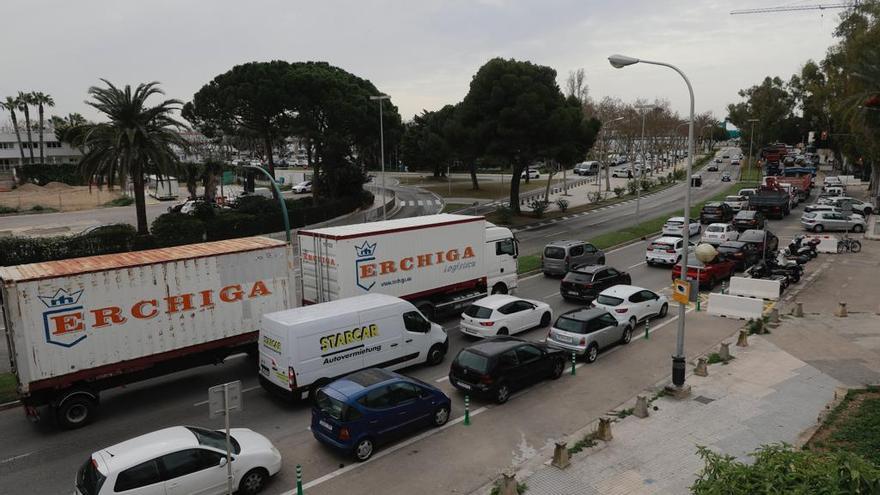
(586, 331)
(716, 211)
(303, 187)
(189, 206)
(185, 458)
(586, 281)
(748, 219)
(744, 254)
(498, 366)
(624, 172)
(725, 177)
(709, 274)
(504, 315)
(826, 207)
(747, 192)
(356, 413)
(665, 251)
(559, 256)
(716, 233)
(675, 227)
(735, 161)
(630, 304)
(712, 167)
(531, 173)
(725, 156)
(855, 205)
(765, 241)
(95, 230)
(587, 168)
(820, 221)
(736, 203)
(696, 180)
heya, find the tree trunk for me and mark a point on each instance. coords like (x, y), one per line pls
(42, 156)
(27, 123)
(140, 204)
(17, 134)
(514, 188)
(267, 141)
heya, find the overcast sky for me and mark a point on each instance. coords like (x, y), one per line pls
(423, 53)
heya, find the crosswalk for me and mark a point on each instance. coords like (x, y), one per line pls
(421, 202)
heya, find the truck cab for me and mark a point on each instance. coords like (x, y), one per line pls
(502, 251)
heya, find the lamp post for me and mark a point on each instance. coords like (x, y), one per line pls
(678, 359)
(280, 197)
(751, 138)
(380, 98)
(644, 158)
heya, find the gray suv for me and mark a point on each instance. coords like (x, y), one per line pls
(586, 331)
(561, 256)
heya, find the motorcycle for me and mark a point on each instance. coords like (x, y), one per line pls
(792, 269)
(760, 270)
(797, 246)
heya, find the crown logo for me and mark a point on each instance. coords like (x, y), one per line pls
(61, 298)
(365, 250)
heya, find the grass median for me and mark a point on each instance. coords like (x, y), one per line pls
(8, 391)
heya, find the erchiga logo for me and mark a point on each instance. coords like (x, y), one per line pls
(64, 312)
(366, 266)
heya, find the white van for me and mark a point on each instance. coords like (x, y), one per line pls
(304, 348)
(587, 168)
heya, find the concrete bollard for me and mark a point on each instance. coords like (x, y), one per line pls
(799, 309)
(560, 456)
(743, 339)
(774, 317)
(841, 310)
(508, 484)
(641, 408)
(604, 431)
(702, 368)
(724, 352)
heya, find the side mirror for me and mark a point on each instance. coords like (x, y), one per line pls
(222, 462)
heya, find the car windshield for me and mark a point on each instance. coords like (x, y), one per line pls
(674, 223)
(553, 252)
(329, 406)
(733, 199)
(214, 439)
(710, 208)
(88, 479)
(571, 325)
(715, 228)
(607, 300)
(809, 215)
(475, 311)
(752, 236)
(472, 360)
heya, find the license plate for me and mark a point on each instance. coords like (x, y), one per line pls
(464, 385)
(562, 338)
(326, 425)
(572, 292)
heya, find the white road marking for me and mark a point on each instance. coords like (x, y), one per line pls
(15, 458)
(248, 389)
(523, 279)
(554, 294)
(442, 379)
(386, 452)
(637, 264)
(548, 234)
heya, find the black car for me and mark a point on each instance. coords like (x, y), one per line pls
(748, 219)
(716, 212)
(497, 366)
(745, 254)
(765, 241)
(585, 282)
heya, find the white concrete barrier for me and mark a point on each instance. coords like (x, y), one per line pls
(754, 287)
(827, 244)
(735, 306)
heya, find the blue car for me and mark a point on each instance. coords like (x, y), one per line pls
(373, 406)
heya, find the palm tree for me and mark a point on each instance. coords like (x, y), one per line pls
(138, 138)
(66, 128)
(25, 100)
(42, 100)
(11, 104)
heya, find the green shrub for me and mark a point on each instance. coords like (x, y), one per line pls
(594, 197)
(631, 186)
(204, 211)
(22, 250)
(539, 206)
(42, 174)
(38, 208)
(505, 214)
(647, 184)
(231, 224)
(618, 191)
(120, 201)
(562, 204)
(174, 229)
(7, 209)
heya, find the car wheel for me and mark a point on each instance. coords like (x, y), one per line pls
(663, 310)
(545, 319)
(441, 415)
(499, 288)
(435, 354)
(502, 393)
(650, 263)
(363, 450)
(76, 412)
(253, 481)
(867, 212)
(633, 322)
(858, 228)
(818, 228)
(558, 368)
(503, 331)
(592, 353)
(627, 335)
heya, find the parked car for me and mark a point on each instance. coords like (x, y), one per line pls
(180, 459)
(725, 177)
(586, 331)
(748, 219)
(716, 233)
(497, 366)
(827, 207)
(587, 168)
(748, 191)
(716, 211)
(820, 221)
(303, 187)
(531, 173)
(624, 172)
(675, 227)
(765, 241)
(504, 315)
(855, 205)
(356, 413)
(559, 256)
(696, 180)
(586, 281)
(708, 274)
(665, 251)
(744, 254)
(736, 203)
(631, 304)
(100, 229)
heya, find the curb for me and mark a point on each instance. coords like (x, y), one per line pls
(10, 405)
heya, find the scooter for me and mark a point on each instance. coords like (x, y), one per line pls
(797, 246)
(760, 270)
(791, 268)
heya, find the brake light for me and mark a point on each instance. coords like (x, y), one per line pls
(291, 378)
(583, 341)
(670, 251)
(621, 310)
(486, 379)
(344, 434)
(486, 323)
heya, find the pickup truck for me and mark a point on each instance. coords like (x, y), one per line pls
(709, 274)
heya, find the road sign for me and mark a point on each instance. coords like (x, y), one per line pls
(218, 396)
(681, 291)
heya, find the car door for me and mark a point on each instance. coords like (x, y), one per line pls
(509, 318)
(576, 254)
(523, 315)
(531, 314)
(142, 479)
(532, 363)
(384, 421)
(509, 369)
(193, 472)
(601, 280)
(408, 407)
(639, 305)
(592, 254)
(606, 329)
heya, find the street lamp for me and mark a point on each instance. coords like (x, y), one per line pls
(644, 158)
(751, 138)
(678, 359)
(277, 193)
(380, 98)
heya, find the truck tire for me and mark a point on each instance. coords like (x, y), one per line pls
(499, 288)
(435, 355)
(76, 411)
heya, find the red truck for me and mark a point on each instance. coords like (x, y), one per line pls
(800, 178)
(707, 273)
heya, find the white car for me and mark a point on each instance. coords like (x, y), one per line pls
(631, 304)
(624, 172)
(825, 207)
(665, 251)
(737, 203)
(302, 187)
(675, 227)
(180, 459)
(532, 173)
(716, 233)
(860, 207)
(500, 314)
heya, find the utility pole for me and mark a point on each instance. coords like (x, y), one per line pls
(380, 98)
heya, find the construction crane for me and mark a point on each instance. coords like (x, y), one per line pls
(791, 8)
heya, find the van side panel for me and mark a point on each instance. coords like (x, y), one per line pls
(322, 352)
(388, 345)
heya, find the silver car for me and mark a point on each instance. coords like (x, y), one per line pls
(560, 256)
(819, 221)
(587, 331)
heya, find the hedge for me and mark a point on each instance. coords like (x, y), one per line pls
(42, 174)
(175, 229)
(20, 250)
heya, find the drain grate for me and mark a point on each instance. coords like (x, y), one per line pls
(702, 399)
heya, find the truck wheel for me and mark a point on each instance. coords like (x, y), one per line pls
(76, 412)
(499, 288)
(435, 354)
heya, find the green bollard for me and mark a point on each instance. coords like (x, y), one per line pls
(573, 360)
(299, 480)
(724, 287)
(699, 299)
(467, 411)
(647, 325)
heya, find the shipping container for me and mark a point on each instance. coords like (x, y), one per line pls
(77, 326)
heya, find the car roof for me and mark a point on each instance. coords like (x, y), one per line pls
(495, 345)
(362, 380)
(753, 235)
(495, 301)
(719, 224)
(667, 239)
(584, 314)
(588, 268)
(623, 291)
(676, 219)
(564, 242)
(145, 447)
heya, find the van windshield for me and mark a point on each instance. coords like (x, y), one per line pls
(475, 311)
(474, 361)
(553, 252)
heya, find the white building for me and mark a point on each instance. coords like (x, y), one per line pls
(54, 151)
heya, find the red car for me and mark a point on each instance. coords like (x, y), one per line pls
(708, 273)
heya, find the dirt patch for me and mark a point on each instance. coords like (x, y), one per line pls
(852, 426)
(59, 197)
(58, 186)
(29, 188)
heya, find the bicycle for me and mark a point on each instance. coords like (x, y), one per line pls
(848, 245)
